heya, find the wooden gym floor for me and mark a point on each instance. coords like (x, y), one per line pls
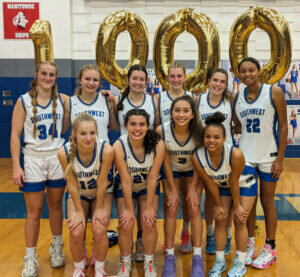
(12, 214)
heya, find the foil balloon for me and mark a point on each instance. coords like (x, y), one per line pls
(40, 33)
(109, 30)
(276, 27)
(207, 36)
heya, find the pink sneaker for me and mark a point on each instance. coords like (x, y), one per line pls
(78, 272)
(250, 252)
(266, 258)
(85, 259)
(100, 272)
(93, 257)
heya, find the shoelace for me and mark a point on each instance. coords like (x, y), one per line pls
(263, 254)
(198, 261)
(169, 265)
(100, 272)
(125, 266)
(236, 268)
(218, 265)
(78, 273)
(149, 266)
(57, 250)
(31, 263)
(185, 238)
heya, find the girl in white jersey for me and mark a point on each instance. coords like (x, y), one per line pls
(216, 99)
(181, 136)
(86, 161)
(39, 114)
(138, 159)
(176, 78)
(225, 167)
(135, 97)
(259, 109)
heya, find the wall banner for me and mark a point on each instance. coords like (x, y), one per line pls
(18, 18)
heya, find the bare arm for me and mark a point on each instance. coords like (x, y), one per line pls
(113, 120)
(280, 107)
(17, 124)
(66, 119)
(157, 116)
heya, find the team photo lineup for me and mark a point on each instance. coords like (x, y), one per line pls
(189, 141)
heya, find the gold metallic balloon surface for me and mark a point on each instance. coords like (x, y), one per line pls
(276, 27)
(207, 36)
(109, 30)
(40, 33)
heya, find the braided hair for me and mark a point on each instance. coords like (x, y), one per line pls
(73, 141)
(34, 93)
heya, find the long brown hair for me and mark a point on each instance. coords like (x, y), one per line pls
(33, 93)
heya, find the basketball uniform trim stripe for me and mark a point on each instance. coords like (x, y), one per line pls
(208, 161)
(91, 162)
(175, 139)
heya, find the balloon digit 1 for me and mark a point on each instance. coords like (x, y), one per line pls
(40, 33)
(276, 27)
(109, 30)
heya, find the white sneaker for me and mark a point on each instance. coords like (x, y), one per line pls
(250, 252)
(150, 269)
(100, 272)
(57, 255)
(78, 272)
(30, 266)
(125, 268)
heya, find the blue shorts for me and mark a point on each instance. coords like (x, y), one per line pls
(252, 191)
(264, 171)
(82, 197)
(178, 174)
(136, 195)
(236, 80)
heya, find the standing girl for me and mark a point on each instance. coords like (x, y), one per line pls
(259, 110)
(293, 123)
(134, 97)
(216, 99)
(225, 166)
(40, 114)
(138, 159)
(294, 73)
(86, 161)
(181, 136)
(176, 78)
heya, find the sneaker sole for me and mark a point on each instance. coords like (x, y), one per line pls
(185, 251)
(58, 266)
(265, 266)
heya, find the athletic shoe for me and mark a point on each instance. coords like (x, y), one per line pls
(228, 246)
(30, 266)
(197, 267)
(85, 258)
(139, 250)
(93, 261)
(164, 247)
(125, 268)
(210, 244)
(57, 255)
(100, 272)
(266, 258)
(250, 252)
(238, 269)
(169, 266)
(150, 269)
(78, 272)
(186, 245)
(218, 268)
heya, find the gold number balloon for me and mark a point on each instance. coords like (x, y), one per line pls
(207, 36)
(109, 30)
(40, 33)
(276, 27)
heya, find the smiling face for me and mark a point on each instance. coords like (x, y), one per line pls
(249, 73)
(182, 113)
(217, 83)
(214, 138)
(86, 135)
(46, 77)
(137, 81)
(137, 127)
(176, 78)
(90, 81)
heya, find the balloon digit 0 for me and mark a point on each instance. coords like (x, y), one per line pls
(207, 36)
(278, 30)
(109, 30)
(40, 33)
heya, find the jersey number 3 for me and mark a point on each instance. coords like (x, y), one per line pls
(43, 131)
(253, 125)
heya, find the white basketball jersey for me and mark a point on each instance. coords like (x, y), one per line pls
(98, 109)
(205, 109)
(181, 154)
(138, 170)
(148, 105)
(259, 126)
(165, 101)
(87, 175)
(44, 125)
(222, 174)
